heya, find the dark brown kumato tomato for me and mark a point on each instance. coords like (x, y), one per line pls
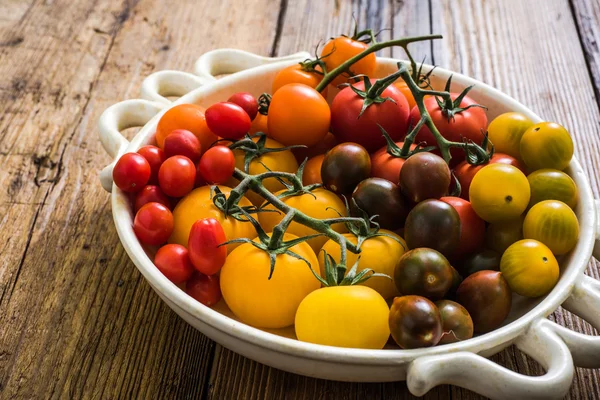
(377, 196)
(344, 167)
(487, 297)
(424, 272)
(424, 176)
(485, 259)
(457, 324)
(433, 224)
(415, 322)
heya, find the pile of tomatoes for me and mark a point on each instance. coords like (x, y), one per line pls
(451, 242)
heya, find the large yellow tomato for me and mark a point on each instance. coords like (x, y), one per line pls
(506, 130)
(262, 302)
(198, 205)
(379, 253)
(320, 203)
(530, 268)
(546, 145)
(552, 184)
(553, 223)
(499, 192)
(282, 161)
(344, 316)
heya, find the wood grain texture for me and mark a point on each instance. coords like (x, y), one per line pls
(77, 320)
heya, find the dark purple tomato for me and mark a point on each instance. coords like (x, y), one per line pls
(344, 167)
(423, 272)
(486, 259)
(424, 176)
(487, 297)
(381, 197)
(457, 324)
(415, 322)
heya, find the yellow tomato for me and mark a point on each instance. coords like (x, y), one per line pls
(198, 205)
(506, 130)
(320, 204)
(344, 316)
(499, 192)
(552, 184)
(282, 161)
(553, 223)
(262, 302)
(501, 235)
(379, 253)
(546, 145)
(530, 268)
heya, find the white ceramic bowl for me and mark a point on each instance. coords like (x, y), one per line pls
(555, 347)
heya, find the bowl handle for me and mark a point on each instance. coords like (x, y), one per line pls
(120, 116)
(211, 64)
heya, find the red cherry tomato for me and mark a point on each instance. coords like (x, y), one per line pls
(467, 124)
(153, 224)
(183, 143)
(203, 244)
(247, 102)
(348, 126)
(131, 173)
(386, 166)
(155, 157)
(173, 261)
(472, 228)
(217, 165)
(205, 289)
(465, 172)
(177, 176)
(228, 120)
(151, 194)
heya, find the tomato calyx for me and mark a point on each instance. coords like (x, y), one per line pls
(253, 150)
(335, 274)
(451, 107)
(296, 188)
(264, 101)
(372, 93)
(403, 152)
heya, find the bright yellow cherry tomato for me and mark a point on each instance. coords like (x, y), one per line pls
(546, 145)
(379, 253)
(552, 184)
(501, 235)
(320, 204)
(198, 205)
(262, 302)
(344, 316)
(499, 192)
(553, 223)
(530, 268)
(506, 130)
(282, 161)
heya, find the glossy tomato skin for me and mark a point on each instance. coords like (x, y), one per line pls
(183, 143)
(204, 288)
(296, 74)
(552, 184)
(386, 166)
(177, 176)
(298, 115)
(468, 124)
(173, 261)
(424, 176)
(344, 167)
(155, 157)
(377, 196)
(415, 322)
(149, 194)
(349, 125)
(457, 324)
(553, 223)
(339, 50)
(259, 124)
(433, 224)
(131, 173)
(247, 102)
(546, 145)
(312, 170)
(217, 165)
(185, 116)
(472, 228)
(423, 272)
(204, 245)
(506, 130)
(228, 120)
(465, 172)
(153, 224)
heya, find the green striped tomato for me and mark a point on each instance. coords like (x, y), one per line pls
(546, 145)
(552, 184)
(554, 224)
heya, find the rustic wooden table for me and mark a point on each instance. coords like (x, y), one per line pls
(77, 320)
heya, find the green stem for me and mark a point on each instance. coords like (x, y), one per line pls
(331, 75)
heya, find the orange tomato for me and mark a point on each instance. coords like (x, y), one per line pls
(403, 87)
(185, 116)
(312, 170)
(259, 124)
(341, 49)
(298, 114)
(296, 74)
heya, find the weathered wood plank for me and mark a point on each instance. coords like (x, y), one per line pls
(587, 15)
